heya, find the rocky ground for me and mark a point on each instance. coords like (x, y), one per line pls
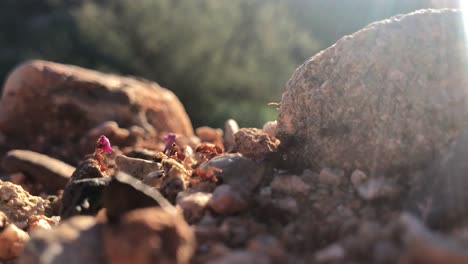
(100, 168)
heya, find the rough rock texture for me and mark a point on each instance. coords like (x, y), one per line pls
(138, 168)
(126, 193)
(241, 173)
(50, 99)
(52, 174)
(12, 239)
(83, 197)
(77, 240)
(87, 169)
(147, 236)
(193, 205)
(18, 204)
(254, 143)
(389, 96)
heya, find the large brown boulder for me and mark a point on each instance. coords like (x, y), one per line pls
(46, 103)
(392, 95)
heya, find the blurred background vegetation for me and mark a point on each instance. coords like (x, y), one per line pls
(223, 59)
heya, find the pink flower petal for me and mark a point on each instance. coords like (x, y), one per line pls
(103, 145)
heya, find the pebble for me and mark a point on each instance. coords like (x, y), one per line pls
(241, 173)
(270, 128)
(138, 168)
(77, 240)
(83, 197)
(51, 173)
(147, 236)
(357, 178)
(12, 240)
(208, 134)
(194, 205)
(226, 201)
(255, 144)
(289, 185)
(126, 193)
(230, 127)
(19, 205)
(328, 176)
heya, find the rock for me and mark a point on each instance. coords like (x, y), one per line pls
(226, 201)
(19, 205)
(422, 246)
(241, 173)
(361, 104)
(52, 174)
(41, 222)
(147, 236)
(12, 240)
(255, 144)
(270, 128)
(440, 195)
(240, 256)
(83, 197)
(331, 177)
(230, 128)
(334, 252)
(208, 134)
(51, 98)
(140, 153)
(357, 178)
(379, 188)
(138, 168)
(268, 245)
(290, 185)
(194, 206)
(77, 240)
(118, 136)
(87, 169)
(126, 193)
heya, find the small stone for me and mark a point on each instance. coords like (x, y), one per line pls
(241, 173)
(332, 253)
(18, 204)
(230, 128)
(331, 177)
(268, 245)
(194, 206)
(138, 168)
(286, 205)
(208, 134)
(77, 240)
(423, 246)
(357, 178)
(51, 173)
(289, 185)
(12, 240)
(147, 236)
(83, 197)
(41, 222)
(141, 153)
(238, 256)
(226, 201)
(254, 143)
(126, 193)
(270, 128)
(87, 169)
(377, 188)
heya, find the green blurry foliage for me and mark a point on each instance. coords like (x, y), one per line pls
(223, 59)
